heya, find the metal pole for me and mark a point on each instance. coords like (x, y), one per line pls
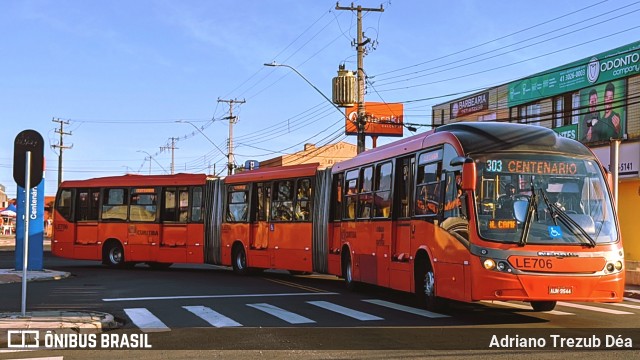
(25, 258)
(361, 110)
(614, 160)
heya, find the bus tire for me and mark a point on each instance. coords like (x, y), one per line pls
(113, 254)
(347, 272)
(239, 260)
(425, 286)
(543, 305)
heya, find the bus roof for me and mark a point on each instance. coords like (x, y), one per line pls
(487, 137)
(270, 173)
(474, 137)
(139, 180)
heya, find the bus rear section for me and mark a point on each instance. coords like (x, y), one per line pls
(158, 220)
(267, 219)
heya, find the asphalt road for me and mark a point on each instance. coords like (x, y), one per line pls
(201, 308)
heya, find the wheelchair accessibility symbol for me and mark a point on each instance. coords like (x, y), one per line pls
(555, 232)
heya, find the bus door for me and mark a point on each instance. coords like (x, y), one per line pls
(282, 225)
(87, 204)
(400, 268)
(259, 225)
(143, 229)
(172, 229)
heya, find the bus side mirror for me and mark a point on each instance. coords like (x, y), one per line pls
(469, 176)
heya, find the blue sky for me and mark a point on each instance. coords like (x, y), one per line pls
(122, 73)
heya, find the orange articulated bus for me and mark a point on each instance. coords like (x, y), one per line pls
(478, 211)
(155, 219)
(467, 212)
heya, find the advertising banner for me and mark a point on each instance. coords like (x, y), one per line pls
(603, 114)
(382, 119)
(604, 67)
(568, 131)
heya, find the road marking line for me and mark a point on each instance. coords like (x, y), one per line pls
(626, 305)
(358, 315)
(593, 308)
(525, 307)
(148, 298)
(211, 316)
(145, 320)
(283, 314)
(292, 284)
(631, 299)
(404, 308)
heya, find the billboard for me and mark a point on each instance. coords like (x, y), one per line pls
(602, 68)
(604, 112)
(382, 119)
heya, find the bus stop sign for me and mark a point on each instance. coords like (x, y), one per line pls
(28, 140)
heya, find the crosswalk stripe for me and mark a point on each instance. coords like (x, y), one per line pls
(631, 299)
(358, 315)
(593, 308)
(404, 308)
(283, 314)
(626, 305)
(145, 320)
(211, 316)
(524, 307)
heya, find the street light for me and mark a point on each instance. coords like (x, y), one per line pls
(359, 122)
(274, 64)
(151, 158)
(206, 137)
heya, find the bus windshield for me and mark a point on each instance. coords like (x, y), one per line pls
(543, 199)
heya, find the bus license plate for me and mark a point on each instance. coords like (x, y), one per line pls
(560, 290)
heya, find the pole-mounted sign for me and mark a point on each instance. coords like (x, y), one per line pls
(28, 140)
(28, 169)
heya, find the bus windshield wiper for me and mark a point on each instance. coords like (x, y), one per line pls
(557, 212)
(531, 209)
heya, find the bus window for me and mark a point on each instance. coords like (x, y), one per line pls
(428, 189)
(64, 204)
(336, 193)
(114, 206)
(365, 198)
(351, 193)
(143, 206)
(282, 209)
(87, 204)
(196, 204)
(382, 195)
(237, 203)
(303, 204)
(452, 194)
(183, 205)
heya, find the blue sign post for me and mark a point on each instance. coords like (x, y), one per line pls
(35, 211)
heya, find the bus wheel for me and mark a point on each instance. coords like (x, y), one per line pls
(426, 287)
(239, 261)
(159, 265)
(347, 273)
(114, 255)
(543, 305)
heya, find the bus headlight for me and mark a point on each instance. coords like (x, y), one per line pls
(618, 265)
(501, 266)
(489, 264)
(610, 267)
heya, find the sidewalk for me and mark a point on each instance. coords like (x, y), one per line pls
(55, 321)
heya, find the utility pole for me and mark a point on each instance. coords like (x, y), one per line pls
(61, 145)
(360, 43)
(232, 120)
(172, 148)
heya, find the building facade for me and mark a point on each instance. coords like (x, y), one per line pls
(326, 155)
(591, 100)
